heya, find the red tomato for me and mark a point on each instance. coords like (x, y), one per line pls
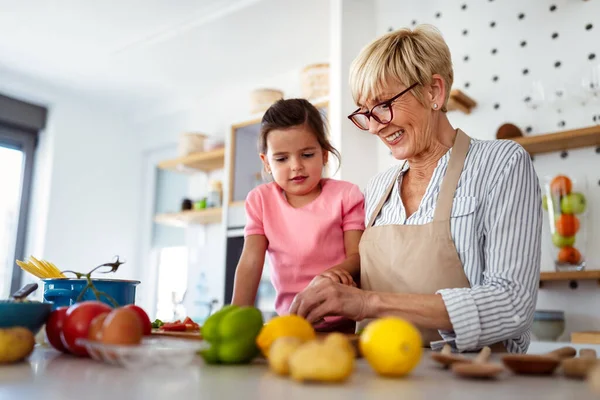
(77, 323)
(54, 327)
(144, 319)
(173, 326)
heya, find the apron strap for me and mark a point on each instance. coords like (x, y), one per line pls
(443, 207)
(385, 196)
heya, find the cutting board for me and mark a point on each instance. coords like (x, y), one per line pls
(181, 335)
(590, 337)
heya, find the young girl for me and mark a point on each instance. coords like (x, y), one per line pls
(310, 226)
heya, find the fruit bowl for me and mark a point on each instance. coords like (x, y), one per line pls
(564, 202)
(150, 353)
(28, 314)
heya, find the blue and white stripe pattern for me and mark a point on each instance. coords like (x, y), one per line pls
(496, 224)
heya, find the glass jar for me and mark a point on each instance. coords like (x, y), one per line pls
(565, 206)
(215, 194)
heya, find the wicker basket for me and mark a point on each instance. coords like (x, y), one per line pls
(262, 99)
(191, 143)
(315, 81)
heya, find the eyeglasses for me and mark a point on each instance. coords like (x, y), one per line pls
(381, 113)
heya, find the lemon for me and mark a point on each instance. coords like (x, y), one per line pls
(284, 326)
(392, 346)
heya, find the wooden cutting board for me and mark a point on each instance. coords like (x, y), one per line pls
(181, 335)
(590, 337)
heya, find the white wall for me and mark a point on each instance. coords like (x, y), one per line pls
(86, 186)
(572, 48)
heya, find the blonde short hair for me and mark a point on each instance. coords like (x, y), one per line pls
(404, 56)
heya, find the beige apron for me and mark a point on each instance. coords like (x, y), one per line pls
(419, 259)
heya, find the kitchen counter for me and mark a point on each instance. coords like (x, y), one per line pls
(50, 375)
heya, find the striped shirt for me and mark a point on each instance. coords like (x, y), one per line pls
(496, 224)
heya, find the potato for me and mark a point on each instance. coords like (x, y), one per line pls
(324, 361)
(15, 344)
(280, 352)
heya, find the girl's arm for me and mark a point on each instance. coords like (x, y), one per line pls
(249, 270)
(348, 271)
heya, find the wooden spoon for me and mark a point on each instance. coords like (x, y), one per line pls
(446, 358)
(537, 364)
(580, 366)
(479, 368)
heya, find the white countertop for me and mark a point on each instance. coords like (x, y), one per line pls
(49, 375)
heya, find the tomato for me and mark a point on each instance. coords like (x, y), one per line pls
(54, 327)
(190, 324)
(144, 319)
(561, 185)
(173, 326)
(77, 323)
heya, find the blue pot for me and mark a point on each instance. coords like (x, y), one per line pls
(64, 292)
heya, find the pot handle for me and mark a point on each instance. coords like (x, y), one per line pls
(51, 294)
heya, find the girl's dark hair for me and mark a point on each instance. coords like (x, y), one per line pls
(293, 112)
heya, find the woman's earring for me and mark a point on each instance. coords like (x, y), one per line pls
(435, 106)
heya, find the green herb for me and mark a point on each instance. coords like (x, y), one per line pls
(157, 324)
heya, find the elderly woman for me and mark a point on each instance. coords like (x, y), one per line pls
(453, 238)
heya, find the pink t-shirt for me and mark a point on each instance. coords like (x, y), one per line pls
(305, 241)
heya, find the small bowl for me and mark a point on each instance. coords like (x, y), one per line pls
(548, 325)
(28, 314)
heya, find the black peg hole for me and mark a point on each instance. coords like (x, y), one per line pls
(598, 182)
(552, 8)
(495, 78)
(525, 71)
(390, 29)
(496, 106)
(562, 124)
(492, 24)
(523, 43)
(521, 16)
(467, 84)
(564, 154)
(463, 7)
(528, 129)
(494, 51)
(532, 157)
(554, 35)
(573, 284)
(414, 22)
(594, 118)
(438, 14)
(591, 56)
(598, 150)
(466, 58)
(465, 32)
(557, 64)
(589, 27)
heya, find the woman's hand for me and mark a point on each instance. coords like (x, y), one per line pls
(324, 297)
(338, 275)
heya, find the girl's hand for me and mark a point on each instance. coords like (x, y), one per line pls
(324, 297)
(339, 275)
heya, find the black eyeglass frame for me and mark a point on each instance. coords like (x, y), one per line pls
(369, 114)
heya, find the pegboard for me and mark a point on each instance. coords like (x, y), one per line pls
(499, 49)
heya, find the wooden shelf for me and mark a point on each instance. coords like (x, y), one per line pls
(205, 161)
(573, 139)
(570, 276)
(460, 101)
(191, 217)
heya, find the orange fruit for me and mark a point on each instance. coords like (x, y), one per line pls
(567, 225)
(561, 185)
(569, 255)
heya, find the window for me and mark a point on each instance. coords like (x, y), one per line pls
(16, 164)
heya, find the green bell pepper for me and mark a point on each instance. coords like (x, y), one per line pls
(232, 333)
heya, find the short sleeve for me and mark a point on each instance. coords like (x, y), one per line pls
(254, 214)
(353, 210)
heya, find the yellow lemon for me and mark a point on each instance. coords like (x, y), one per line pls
(284, 326)
(392, 346)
